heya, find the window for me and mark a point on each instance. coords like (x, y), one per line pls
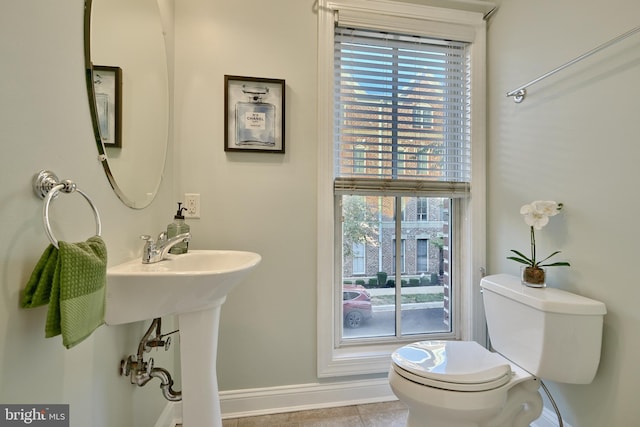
(424, 117)
(383, 81)
(379, 76)
(358, 258)
(400, 101)
(422, 255)
(422, 209)
(359, 160)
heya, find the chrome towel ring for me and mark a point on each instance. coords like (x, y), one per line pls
(47, 186)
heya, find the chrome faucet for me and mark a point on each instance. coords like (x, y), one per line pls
(155, 251)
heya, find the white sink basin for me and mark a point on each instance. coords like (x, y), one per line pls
(178, 284)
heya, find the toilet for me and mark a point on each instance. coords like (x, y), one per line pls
(536, 334)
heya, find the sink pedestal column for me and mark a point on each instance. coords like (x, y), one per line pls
(198, 352)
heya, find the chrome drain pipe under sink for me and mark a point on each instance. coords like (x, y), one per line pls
(140, 372)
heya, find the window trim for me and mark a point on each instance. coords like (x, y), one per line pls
(333, 360)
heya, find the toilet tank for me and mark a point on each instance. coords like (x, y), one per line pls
(552, 334)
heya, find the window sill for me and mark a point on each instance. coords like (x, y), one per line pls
(364, 359)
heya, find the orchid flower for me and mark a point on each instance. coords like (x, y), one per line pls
(536, 216)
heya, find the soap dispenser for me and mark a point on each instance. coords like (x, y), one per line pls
(178, 226)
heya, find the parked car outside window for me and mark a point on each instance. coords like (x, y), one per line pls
(356, 305)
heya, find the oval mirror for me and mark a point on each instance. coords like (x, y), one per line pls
(128, 88)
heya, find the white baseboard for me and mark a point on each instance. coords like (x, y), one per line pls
(242, 403)
(272, 400)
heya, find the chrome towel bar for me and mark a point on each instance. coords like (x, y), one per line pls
(521, 92)
(47, 186)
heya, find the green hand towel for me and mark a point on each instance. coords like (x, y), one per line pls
(72, 280)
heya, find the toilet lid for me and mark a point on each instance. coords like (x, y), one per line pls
(452, 365)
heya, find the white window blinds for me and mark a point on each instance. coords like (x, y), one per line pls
(401, 122)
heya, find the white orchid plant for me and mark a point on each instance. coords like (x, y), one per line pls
(536, 215)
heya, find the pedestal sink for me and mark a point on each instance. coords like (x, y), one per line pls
(192, 286)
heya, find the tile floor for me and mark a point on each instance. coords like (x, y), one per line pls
(388, 414)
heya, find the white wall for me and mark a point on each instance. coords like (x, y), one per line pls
(259, 202)
(575, 140)
(45, 124)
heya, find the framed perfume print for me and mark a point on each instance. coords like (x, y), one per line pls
(107, 85)
(254, 114)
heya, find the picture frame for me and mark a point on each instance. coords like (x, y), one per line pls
(107, 85)
(254, 114)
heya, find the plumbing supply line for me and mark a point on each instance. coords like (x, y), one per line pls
(553, 403)
(142, 372)
(142, 346)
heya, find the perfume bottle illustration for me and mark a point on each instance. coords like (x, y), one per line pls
(255, 118)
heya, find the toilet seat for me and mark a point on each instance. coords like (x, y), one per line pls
(452, 365)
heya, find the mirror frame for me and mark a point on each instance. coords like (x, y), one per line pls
(102, 155)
